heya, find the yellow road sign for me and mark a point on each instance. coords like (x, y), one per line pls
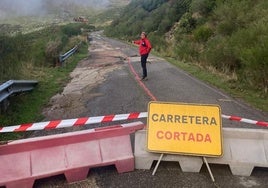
(192, 129)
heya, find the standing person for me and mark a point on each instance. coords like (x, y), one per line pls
(144, 49)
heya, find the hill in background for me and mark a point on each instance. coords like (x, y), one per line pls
(30, 15)
(228, 37)
(12, 8)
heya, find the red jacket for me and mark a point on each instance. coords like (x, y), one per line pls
(145, 46)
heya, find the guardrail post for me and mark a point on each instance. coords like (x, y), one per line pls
(13, 86)
(4, 105)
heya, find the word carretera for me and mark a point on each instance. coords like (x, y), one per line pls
(184, 119)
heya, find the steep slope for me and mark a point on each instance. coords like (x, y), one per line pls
(228, 37)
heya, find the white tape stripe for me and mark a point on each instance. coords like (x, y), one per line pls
(120, 117)
(226, 117)
(143, 115)
(38, 126)
(67, 123)
(93, 120)
(9, 129)
(241, 120)
(249, 121)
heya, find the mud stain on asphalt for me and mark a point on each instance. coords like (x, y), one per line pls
(89, 73)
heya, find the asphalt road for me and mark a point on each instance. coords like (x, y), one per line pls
(121, 92)
(168, 83)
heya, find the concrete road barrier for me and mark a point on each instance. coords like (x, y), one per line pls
(243, 149)
(71, 154)
(144, 159)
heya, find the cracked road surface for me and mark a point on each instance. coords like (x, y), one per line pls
(103, 84)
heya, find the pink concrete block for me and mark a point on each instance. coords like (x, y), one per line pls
(78, 174)
(48, 161)
(14, 168)
(25, 183)
(115, 148)
(84, 153)
(71, 154)
(118, 151)
(125, 165)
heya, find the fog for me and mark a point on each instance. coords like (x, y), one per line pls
(43, 7)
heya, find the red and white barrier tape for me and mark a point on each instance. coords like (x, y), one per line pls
(72, 122)
(100, 119)
(236, 118)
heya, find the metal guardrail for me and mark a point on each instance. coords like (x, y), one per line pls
(65, 56)
(15, 86)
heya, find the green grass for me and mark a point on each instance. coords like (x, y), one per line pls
(235, 89)
(27, 107)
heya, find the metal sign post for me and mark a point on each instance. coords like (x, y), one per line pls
(204, 159)
(157, 164)
(209, 170)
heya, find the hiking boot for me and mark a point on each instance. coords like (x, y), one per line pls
(144, 78)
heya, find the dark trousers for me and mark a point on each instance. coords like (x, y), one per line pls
(143, 65)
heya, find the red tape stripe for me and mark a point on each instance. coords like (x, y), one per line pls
(262, 123)
(53, 124)
(133, 115)
(235, 118)
(23, 127)
(108, 118)
(80, 121)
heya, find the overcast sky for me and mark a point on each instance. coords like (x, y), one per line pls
(41, 7)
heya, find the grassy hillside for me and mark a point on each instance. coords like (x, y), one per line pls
(34, 56)
(227, 38)
(154, 16)
(37, 49)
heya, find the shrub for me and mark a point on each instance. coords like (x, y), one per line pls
(187, 50)
(233, 15)
(12, 53)
(202, 33)
(226, 28)
(53, 51)
(252, 49)
(220, 54)
(72, 29)
(203, 7)
(187, 23)
(158, 42)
